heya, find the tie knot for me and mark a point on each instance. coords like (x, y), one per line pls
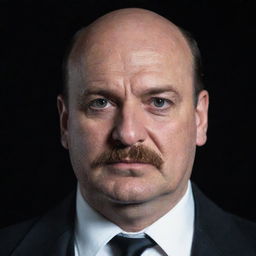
(131, 246)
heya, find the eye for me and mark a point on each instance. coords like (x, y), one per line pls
(161, 103)
(99, 103)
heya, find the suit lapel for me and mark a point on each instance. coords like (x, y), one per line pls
(64, 246)
(202, 245)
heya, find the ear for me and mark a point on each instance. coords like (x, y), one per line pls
(202, 117)
(63, 117)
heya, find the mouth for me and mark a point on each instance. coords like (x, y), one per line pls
(127, 161)
(128, 168)
(128, 164)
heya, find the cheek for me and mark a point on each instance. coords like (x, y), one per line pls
(176, 139)
(174, 132)
(87, 137)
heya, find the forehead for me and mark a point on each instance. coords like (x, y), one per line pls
(132, 44)
(114, 54)
(125, 62)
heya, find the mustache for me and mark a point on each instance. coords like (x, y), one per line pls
(137, 154)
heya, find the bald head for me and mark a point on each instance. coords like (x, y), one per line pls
(129, 30)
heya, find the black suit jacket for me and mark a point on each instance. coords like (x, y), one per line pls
(216, 233)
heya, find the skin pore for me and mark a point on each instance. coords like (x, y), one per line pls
(130, 123)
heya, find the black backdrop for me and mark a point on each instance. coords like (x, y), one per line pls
(35, 170)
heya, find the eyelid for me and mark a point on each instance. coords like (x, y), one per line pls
(88, 96)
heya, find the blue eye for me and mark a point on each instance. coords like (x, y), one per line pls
(159, 102)
(99, 103)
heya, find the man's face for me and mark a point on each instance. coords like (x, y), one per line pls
(128, 96)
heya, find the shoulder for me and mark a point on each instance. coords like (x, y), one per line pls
(38, 235)
(222, 231)
(13, 235)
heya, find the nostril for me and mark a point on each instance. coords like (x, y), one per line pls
(120, 145)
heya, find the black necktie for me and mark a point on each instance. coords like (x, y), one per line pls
(131, 246)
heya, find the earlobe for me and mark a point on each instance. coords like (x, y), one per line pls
(63, 118)
(202, 117)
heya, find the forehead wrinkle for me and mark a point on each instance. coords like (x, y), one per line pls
(123, 63)
(144, 58)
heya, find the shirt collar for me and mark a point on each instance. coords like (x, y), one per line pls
(173, 232)
(92, 230)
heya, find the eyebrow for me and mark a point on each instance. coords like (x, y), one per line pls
(162, 89)
(98, 91)
(112, 93)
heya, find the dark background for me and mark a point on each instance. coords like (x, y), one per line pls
(35, 170)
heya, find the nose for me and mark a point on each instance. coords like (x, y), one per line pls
(129, 127)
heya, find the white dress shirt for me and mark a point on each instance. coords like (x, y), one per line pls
(173, 232)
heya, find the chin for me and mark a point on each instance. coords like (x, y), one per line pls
(129, 191)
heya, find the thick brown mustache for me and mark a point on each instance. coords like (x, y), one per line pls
(137, 154)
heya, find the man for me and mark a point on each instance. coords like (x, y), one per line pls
(131, 115)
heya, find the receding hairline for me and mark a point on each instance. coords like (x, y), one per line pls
(128, 17)
(78, 44)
